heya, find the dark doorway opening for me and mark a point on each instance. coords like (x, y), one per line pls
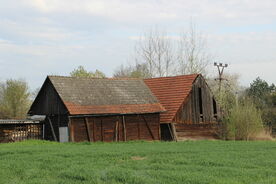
(200, 104)
(215, 109)
(166, 132)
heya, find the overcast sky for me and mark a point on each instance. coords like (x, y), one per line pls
(42, 37)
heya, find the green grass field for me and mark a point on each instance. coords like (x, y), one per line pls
(194, 162)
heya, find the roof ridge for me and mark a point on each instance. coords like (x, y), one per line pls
(111, 78)
(195, 74)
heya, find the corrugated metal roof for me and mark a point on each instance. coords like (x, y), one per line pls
(171, 92)
(105, 96)
(12, 121)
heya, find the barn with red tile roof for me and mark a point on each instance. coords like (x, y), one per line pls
(92, 109)
(191, 110)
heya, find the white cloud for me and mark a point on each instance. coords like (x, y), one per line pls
(243, 47)
(3, 41)
(30, 32)
(148, 10)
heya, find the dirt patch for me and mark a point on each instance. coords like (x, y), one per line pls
(265, 136)
(138, 158)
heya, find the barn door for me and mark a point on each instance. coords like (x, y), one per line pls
(166, 132)
(63, 134)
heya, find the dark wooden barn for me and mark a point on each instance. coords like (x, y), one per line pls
(88, 109)
(191, 109)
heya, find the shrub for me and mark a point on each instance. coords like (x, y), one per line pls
(243, 122)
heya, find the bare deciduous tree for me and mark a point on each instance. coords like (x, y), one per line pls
(156, 50)
(192, 56)
(165, 56)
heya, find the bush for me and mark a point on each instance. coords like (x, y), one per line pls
(243, 122)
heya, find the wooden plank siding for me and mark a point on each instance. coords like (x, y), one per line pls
(189, 112)
(48, 102)
(104, 128)
(196, 131)
(189, 121)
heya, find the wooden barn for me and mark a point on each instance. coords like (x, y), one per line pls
(88, 109)
(191, 109)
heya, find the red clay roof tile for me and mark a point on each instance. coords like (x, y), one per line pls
(171, 92)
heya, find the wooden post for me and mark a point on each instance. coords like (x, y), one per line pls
(102, 132)
(139, 137)
(172, 135)
(43, 130)
(71, 130)
(116, 131)
(87, 129)
(93, 126)
(124, 126)
(148, 127)
(174, 132)
(52, 129)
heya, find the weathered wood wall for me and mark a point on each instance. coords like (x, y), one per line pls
(47, 102)
(115, 128)
(192, 112)
(20, 132)
(196, 131)
(198, 116)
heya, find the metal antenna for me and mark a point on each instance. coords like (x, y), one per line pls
(220, 67)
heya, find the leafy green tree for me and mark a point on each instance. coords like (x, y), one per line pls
(260, 91)
(14, 99)
(82, 72)
(264, 96)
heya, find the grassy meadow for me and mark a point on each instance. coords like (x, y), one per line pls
(190, 162)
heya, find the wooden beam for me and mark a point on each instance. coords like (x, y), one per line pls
(93, 126)
(172, 135)
(87, 129)
(71, 131)
(119, 128)
(102, 132)
(139, 136)
(116, 131)
(52, 129)
(124, 126)
(43, 130)
(174, 132)
(148, 127)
